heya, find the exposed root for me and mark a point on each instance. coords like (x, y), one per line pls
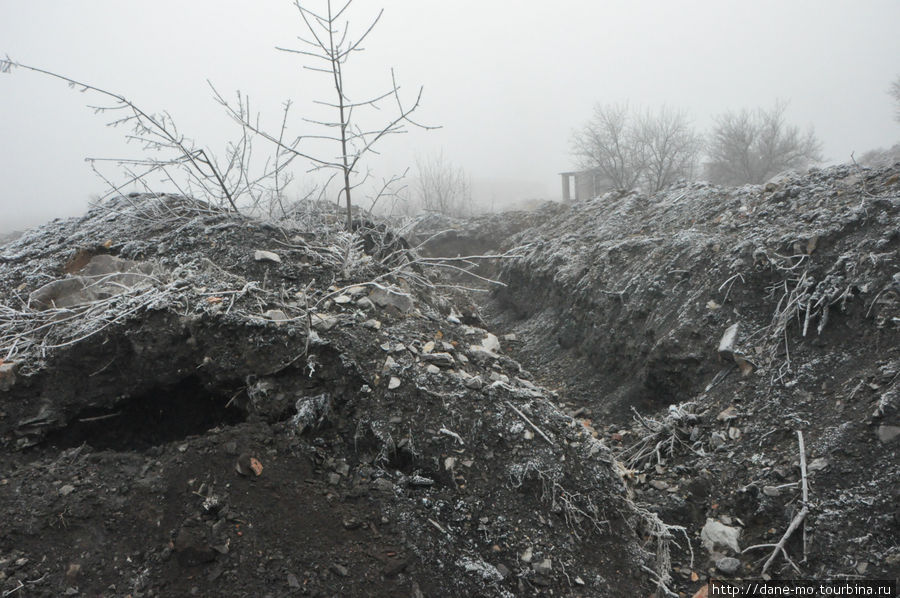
(660, 437)
(576, 509)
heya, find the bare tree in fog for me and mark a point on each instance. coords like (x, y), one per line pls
(753, 146)
(881, 157)
(631, 149)
(894, 92)
(610, 144)
(670, 147)
(442, 187)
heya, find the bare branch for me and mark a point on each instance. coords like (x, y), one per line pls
(752, 147)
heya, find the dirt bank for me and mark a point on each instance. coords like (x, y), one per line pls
(701, 328)
(196, 403)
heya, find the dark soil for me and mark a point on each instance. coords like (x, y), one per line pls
(238, 426)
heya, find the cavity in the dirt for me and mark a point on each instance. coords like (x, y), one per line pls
(162, 415)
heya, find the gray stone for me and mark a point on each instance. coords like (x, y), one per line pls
(386, 298)
(485, 570)
(433, 369)
(728, 340)
(444, 360)
(481, 355)
(365, 303)
(102, 277)
(727, 414)
(62, 293)
(474, 383)
(383, 485)
(717, 440)
(817, 464)
(728, 565)
(543, 568)
(66, 490)
(498, 377)
(266, 256)
(885, 432)
(491, 343)
(771, 491)
(389, 364)
(716, 535)
(339, 570)
(7, 375)
(323, 322)
(276, 315)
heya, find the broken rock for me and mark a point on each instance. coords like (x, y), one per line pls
(372, 324)
(728, 565)
(102, 277)
(7, 375)
(543, 568)
(323, 322)
(884, 432)
(276, 315)
(716, 535)
(247, 465)
(266, 256)
(444, 360)
(474, 383)
(491, 343)
(728, 341)
(365, 303)
(387, 298)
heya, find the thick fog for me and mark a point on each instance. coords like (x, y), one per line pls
(508, 82)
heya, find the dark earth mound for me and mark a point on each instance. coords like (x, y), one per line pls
(197, 403)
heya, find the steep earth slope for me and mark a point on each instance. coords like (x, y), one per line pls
(702, 328)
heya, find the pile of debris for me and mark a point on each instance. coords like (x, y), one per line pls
(742, 349)
(193, 402)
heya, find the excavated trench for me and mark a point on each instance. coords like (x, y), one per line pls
(414, 479)
(624, 305)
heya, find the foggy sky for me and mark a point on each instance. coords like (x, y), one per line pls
(507, 81)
